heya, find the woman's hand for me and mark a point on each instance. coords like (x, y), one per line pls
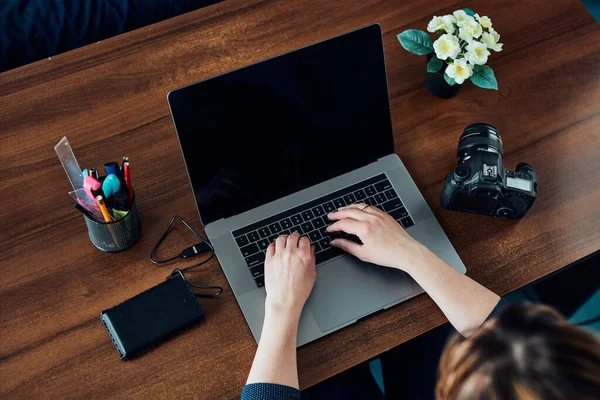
(385, 242)
(465, 302)
(290, 273)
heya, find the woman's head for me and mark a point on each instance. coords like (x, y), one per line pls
(527, 352)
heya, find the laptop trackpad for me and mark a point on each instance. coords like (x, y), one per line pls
(347, 289)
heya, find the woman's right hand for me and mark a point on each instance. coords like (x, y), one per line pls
(385, 242)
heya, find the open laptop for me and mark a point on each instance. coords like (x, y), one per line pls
(273, 147)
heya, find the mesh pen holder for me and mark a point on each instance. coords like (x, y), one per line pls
(112, 237)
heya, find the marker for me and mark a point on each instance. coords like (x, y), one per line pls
(103, 209)
(110, 185)
(91, 185)
(85, 212)
(127, 178)
(111, 168)
(120, 201)
(94, 173)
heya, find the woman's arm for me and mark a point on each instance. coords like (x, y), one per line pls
(289, 277)
(465, 302)
(275, 359)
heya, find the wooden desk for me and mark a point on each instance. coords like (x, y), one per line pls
(109, 98)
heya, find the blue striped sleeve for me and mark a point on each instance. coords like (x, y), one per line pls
(269, 391)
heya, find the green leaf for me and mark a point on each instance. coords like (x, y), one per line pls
(449, 80)
(469, 12)
(416, 41)
(435, 64)
(483, 76)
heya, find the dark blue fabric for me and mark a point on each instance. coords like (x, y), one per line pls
(354, 384)
(31, 30)
(268, 391)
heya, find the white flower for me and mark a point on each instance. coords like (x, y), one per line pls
(461, 17)
(491, 40)
(477, 53)
(446, 47)
(486, 22)
(470, 30)
(435, 24)
(459, 70)
(445, 23)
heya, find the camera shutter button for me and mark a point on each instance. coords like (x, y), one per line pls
(461, 173)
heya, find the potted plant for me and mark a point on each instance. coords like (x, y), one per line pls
(458, 54)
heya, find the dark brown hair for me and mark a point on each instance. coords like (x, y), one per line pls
(527, 352)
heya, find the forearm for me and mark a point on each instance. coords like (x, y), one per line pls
(465, 302)
(275, 359)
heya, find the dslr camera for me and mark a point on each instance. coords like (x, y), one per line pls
(480, 184)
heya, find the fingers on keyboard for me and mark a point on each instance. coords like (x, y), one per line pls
(311, 221)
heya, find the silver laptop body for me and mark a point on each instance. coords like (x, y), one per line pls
(346, 289)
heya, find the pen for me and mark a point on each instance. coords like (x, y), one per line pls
(125, 159)
(127, 178)
(103, 209)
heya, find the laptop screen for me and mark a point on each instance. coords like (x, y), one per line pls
(270, 129)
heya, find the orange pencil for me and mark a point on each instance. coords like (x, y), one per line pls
(103, 209)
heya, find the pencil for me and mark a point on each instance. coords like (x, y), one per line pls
(103, 209)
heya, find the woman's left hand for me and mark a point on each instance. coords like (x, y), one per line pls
(290, 273)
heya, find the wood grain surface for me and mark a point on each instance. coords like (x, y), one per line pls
(109, 99)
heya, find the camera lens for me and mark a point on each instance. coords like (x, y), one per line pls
(481, 137)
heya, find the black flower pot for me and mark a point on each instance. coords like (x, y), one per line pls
(437, 85)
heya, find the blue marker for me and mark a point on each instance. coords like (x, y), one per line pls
(112, 168)
(111, 185)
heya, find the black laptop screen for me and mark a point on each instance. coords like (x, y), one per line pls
(262, 132)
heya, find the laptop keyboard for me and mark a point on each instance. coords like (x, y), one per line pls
(310, 219)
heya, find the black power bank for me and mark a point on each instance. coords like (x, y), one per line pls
(151, 317)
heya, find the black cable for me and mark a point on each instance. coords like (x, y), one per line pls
(219, 289)
(188, 252)
(185, 253)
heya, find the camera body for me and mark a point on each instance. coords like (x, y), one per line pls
(481, 185)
